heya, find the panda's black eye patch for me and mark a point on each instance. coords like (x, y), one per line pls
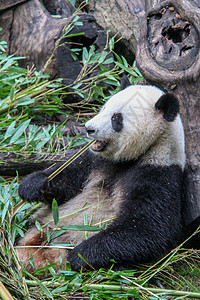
(117, 122)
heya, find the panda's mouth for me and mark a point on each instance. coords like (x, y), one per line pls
(99, 146)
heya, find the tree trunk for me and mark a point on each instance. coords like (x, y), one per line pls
(32, 32)
(168, 56)
(121, 17)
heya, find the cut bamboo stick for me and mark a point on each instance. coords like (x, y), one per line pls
(67, 163)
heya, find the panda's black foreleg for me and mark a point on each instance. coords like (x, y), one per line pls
(126, 242)
(36, 187)
(106, 247)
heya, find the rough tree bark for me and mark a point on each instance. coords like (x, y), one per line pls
(121, 17)
(31, 31)
(168, 56)
(9, 3)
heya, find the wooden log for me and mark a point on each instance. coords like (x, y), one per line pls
(168, 55)
(13, 164)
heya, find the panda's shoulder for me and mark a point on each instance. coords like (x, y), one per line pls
(153, 177)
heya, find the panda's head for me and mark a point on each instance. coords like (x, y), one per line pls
(139, 121)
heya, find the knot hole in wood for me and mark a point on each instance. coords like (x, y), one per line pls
(173, 41)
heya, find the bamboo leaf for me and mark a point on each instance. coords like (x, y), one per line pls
(42, 143)
(12, 93)
(25, 101)
(81, 228)
(19, 131)
(10, 129)
(55, 212)
(57, 233)
(108, 61)
(61, 289)
(39, 227)
(85, 55)
(31, 261)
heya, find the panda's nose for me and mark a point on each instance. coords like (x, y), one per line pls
(90, 130)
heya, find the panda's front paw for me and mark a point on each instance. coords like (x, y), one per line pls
(90, 254)
(33, 187)
(76, 261)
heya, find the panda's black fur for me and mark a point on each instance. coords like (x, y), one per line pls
(143, 230)
(148, 220)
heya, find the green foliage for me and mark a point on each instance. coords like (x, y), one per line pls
(106, 82)
(25, 94)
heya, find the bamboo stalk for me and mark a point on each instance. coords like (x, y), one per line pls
(127, 289)
(151, 290)
(67, 163)
(4, 293)
(45, 246)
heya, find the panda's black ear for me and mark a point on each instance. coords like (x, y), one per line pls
(124, 82)
(169, 106)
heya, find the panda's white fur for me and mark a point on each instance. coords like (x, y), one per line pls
(104, 186)
(143, 126)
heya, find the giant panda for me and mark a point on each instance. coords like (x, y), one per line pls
(131, 178)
